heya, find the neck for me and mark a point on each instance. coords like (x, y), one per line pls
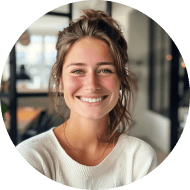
(83, 132)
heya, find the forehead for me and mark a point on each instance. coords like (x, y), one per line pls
(90, 41)
(89, 50)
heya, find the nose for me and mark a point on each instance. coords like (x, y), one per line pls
(92, 82)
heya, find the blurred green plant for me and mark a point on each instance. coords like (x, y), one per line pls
(3, 108)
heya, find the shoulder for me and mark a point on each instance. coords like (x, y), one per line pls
(37, 142)
(140, 156)
(137, 146)
(37, 149)
(139, 153)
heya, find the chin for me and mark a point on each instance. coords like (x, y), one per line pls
(93, 116)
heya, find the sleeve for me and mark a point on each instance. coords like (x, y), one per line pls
(144, 161)
(31, 155)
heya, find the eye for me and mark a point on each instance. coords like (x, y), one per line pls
(106, 71)
(75, 71)
(100, 71)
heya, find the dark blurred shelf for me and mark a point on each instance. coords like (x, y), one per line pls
(6, 95)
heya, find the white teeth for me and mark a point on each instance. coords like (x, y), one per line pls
(92, 100)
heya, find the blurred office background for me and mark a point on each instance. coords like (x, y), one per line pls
(162, 100)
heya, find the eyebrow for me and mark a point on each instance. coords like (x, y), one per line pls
(84, 64)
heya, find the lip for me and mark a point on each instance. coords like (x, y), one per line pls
(92, 103)
(93, 97)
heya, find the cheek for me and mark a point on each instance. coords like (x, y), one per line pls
(71, 84)
(112, 84)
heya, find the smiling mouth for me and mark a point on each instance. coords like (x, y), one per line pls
(103, 97)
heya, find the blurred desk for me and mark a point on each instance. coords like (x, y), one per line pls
(29, 107)
(25, 116)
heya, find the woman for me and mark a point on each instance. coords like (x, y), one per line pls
(91, 150)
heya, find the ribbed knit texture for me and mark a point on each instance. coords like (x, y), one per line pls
(130, 160)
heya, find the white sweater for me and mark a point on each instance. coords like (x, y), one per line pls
(130, 160)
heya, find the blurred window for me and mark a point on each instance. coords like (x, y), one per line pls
(38, 58)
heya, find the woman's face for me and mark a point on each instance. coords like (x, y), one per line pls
(90, 83)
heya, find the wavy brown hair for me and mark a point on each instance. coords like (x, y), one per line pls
(97, 24)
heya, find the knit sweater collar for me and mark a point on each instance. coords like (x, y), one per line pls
(82, 169)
